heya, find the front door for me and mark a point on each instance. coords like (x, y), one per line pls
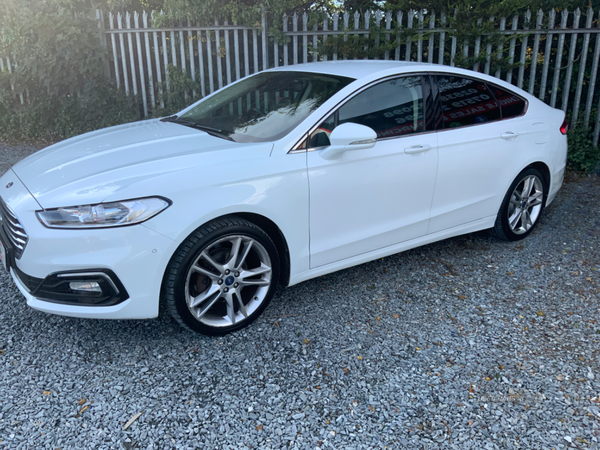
(366, 200)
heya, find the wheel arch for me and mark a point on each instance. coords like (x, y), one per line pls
(498, 230)
(545, 171)
(275, 233)
(268, 226)
(541, 167)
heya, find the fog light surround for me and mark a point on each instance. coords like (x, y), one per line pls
(92, 287)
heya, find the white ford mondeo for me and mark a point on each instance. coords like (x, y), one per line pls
(280, 177)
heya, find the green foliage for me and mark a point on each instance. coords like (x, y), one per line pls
(53, 45)
(53, 118)
(176, 96)
(241, 12)
(58, 65)
(377, 42)
(488, 8)
(582, 155)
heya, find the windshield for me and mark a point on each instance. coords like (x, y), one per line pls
(265, 107)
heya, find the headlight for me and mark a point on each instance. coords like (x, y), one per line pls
(114, 214)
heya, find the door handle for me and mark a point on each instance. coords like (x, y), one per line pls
(509, 135)
(417, 149)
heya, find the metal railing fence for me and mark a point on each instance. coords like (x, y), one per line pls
(553, 55)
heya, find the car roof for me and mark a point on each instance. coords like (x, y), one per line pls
(354, 69)
(369, 70)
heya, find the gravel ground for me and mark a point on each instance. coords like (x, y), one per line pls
(470, 343)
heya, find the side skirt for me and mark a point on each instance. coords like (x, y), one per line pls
(477, 225)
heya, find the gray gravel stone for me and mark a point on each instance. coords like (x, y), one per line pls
(470, 343)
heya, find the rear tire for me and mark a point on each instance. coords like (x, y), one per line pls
(222, 277)
(522, 206)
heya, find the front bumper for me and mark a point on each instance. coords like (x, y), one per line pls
(135, 255)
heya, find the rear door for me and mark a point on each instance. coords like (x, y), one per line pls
(481, 140)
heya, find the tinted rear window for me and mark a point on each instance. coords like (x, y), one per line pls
(511, 104)
(466, 101)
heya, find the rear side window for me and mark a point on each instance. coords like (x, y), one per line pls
(466, 101)
(511, 104)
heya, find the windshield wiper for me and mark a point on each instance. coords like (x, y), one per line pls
(210, 130)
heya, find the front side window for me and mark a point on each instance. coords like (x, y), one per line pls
(465, 101)
(391, 108)
(320, 136)
(264, 107)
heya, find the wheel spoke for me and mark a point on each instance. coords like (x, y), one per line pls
(526, 222)
(527, 187)
(203, 296)
(262, 270)
(230, 307)
(235, 250)
(245, 254)
(260, 282)
(240, 303)
(204, 310)
(535, 199)
(212, 262)
(203, 271)
(514, 220)
(517, 196)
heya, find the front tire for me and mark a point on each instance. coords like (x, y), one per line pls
(222, 277)
(522, 206)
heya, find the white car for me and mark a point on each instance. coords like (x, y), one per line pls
(283, 176)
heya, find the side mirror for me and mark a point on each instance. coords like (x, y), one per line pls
(349, 136)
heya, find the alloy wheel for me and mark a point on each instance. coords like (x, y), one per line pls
(525, 204)
(228, 281)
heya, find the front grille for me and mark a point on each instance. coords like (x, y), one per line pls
(13, 229)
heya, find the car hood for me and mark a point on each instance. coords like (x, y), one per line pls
(91, 167)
